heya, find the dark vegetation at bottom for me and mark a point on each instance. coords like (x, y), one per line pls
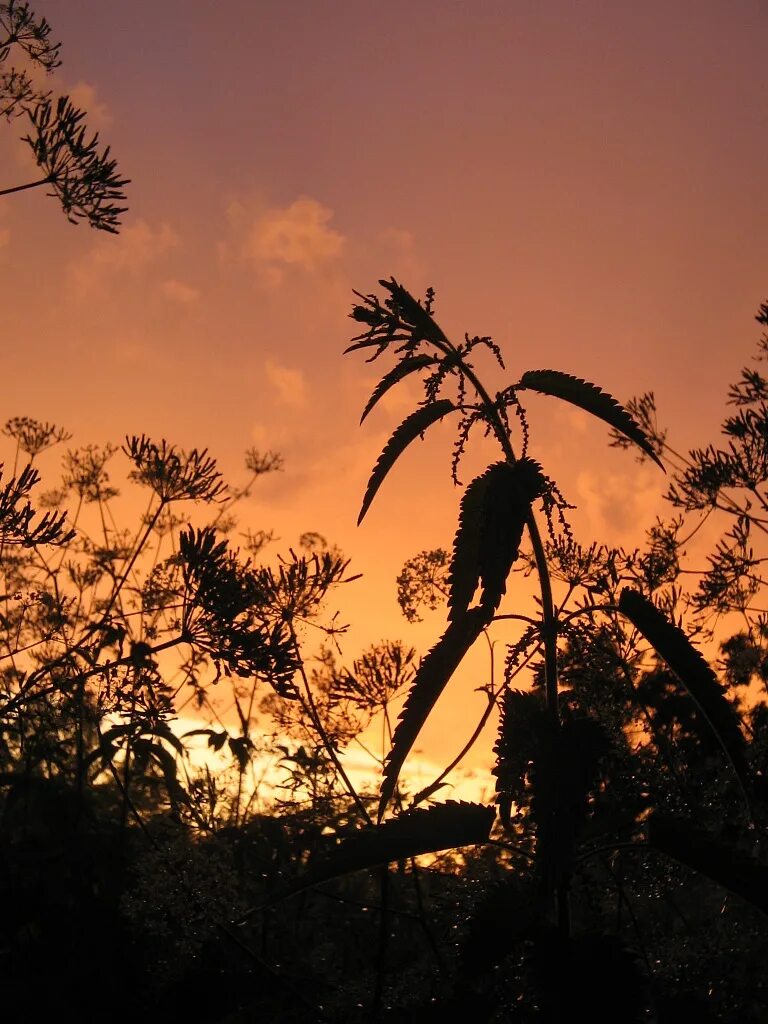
(88, 931)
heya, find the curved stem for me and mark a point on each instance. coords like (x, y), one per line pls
(549, 620)
(493, 697)
(556, 886)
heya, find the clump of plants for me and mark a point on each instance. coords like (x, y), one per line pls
(624, 775)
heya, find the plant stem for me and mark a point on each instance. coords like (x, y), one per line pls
(329, 747)
(22, 188)
(556, 885)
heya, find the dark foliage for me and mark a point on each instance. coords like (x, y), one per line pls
(82, 175)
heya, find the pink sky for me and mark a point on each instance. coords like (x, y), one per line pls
(585, 182)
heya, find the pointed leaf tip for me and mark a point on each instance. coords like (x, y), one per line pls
(592, 399)
(411, 427)
(445, 826)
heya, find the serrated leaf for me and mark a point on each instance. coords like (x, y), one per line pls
(366, 341)
(508, 497)
(464, 571)
(397, 373)
(410, 311)
(592, 399)
(492, 516)
(411, 427)
(695, 674)
(433, 673)
(723, 862)
(422, 830)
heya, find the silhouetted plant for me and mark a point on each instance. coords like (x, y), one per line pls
(19, 27)
(81, 175)
(108, 634)
(574, 793)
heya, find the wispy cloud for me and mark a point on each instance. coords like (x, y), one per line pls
(84, 96)
(281, 238)
(290, 385)
(136, 248)
(180, 292)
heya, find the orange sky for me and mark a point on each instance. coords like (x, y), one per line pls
(584, 181)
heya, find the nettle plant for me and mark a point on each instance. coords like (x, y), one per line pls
(571, 788)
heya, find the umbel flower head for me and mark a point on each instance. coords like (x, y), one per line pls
(85, 180)
(173, 474)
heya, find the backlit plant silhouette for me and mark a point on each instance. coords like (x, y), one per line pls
(82, 175)
(577, 800)
(107, 636)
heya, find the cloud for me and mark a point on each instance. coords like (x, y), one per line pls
(136, 248)
(276, 239)
(615, 504)
(289, 385)
(83, 95)
(180, 292)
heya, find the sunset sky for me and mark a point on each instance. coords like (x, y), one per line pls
(584, 181)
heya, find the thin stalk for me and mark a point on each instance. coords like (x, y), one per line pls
(548, 615)
(30, 184)
(549, 621)
(329, 747)
(132, 561)
(493, 697)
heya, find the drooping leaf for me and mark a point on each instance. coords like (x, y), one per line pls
(719, 860)
(167, 763)
(431, 677)
(695, 674)
(163, 731)
(508, 497)
(216, 740)
(592, 399)
(397, 373)
(464, 571)
(422, 830)
(411, 427)
(492, 516)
